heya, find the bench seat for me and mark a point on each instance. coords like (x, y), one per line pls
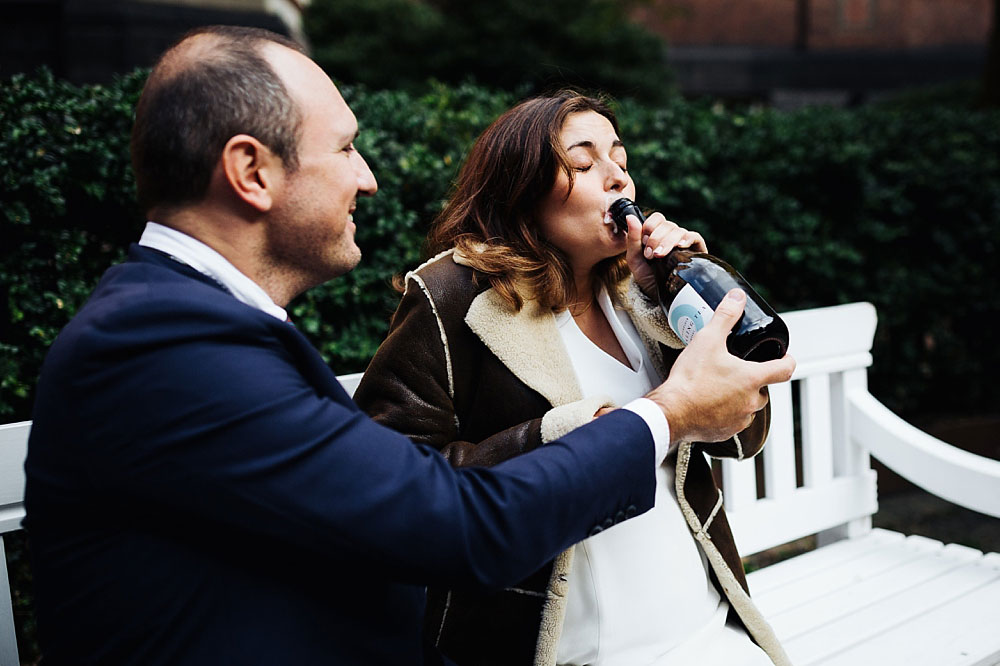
(884, 598)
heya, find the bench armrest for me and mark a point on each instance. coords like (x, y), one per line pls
(958, 476)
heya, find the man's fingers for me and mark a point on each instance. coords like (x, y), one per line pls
(762, 399)
(776, 371)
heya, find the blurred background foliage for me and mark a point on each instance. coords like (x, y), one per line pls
(521, 45)
(898, 204)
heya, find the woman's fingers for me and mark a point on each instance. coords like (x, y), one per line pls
(660, 236)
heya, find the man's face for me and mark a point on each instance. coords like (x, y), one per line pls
(310, 226)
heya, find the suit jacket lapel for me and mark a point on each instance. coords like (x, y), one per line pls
(314, 369)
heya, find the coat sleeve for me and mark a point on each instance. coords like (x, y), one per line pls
(409, 386)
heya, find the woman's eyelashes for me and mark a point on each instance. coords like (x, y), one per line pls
(620, 158)
(584, 168)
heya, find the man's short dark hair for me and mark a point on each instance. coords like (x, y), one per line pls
(190, 109)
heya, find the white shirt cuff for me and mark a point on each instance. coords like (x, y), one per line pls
(656, 421)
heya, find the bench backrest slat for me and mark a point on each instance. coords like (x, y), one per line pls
(832, 348)
(817, 443)
(350, 382)
(779, 463)
(13, 448)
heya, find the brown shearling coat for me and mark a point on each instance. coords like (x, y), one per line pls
(463, 372)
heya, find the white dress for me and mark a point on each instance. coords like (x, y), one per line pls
(639, 592)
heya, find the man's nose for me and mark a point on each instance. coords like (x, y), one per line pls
(367, 185)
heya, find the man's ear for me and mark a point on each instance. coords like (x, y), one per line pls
(252, 171)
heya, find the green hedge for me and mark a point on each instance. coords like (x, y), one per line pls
(900, 207)
(818, 207)
(510, 45)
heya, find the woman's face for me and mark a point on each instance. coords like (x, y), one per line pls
(575, 223)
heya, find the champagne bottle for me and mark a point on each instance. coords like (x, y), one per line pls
(690, 285)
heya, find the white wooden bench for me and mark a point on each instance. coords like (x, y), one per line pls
(863, 596)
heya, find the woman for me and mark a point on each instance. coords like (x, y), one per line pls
(532, 318)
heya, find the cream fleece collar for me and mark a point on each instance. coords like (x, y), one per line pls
(528, 342)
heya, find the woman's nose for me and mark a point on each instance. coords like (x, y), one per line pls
(617, 177)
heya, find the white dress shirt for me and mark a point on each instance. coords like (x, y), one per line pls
(191, 251)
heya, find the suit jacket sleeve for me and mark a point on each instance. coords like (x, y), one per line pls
(409, 386)
(233, 419)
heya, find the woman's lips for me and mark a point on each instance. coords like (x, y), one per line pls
(613, 197)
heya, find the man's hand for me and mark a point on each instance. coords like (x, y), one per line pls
(710, 394)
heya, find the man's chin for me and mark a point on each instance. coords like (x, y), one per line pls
(354, 262)
(347, 263)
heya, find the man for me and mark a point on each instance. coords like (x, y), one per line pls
(200, 488)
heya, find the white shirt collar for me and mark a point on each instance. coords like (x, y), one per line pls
(627, 341)
(191, 251)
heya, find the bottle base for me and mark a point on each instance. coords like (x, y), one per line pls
(768, 349)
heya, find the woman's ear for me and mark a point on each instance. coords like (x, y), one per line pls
(252, 171)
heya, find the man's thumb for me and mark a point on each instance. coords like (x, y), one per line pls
(730, 309)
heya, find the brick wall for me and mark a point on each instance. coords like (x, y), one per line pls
(723, 22)
(826, 24)
(898, 24)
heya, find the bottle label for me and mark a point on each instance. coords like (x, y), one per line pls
(688, 313)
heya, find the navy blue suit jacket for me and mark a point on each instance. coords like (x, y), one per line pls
(201, 490)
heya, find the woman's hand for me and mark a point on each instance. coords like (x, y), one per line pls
(654, 239)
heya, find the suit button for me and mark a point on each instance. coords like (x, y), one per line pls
(630, 511)
(619, 517)
(608, 523)
(597, 530)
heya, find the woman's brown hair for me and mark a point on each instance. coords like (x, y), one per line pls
(490, 217)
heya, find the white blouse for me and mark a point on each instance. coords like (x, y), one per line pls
(639, 592)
